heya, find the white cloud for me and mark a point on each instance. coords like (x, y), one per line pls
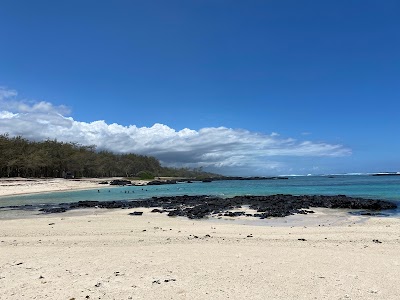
(218, 148)
(9, 102)
(7, 93)
(6, 115)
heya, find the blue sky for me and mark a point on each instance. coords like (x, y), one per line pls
(239, 87)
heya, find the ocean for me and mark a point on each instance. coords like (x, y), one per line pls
(365, 186)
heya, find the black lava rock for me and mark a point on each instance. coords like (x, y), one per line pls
(120, 182)
(53, 210)
(197, 207)
(136, 213)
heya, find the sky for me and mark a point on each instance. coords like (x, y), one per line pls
(236, 87)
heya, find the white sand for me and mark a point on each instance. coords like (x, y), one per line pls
(19, 186)
(107, 254)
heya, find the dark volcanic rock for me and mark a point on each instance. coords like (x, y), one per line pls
(161, 182)
(84, 204)
(120, 182)
(234, 214)
(53, 210)
(386, 174)
(136, 213)
(197, 207)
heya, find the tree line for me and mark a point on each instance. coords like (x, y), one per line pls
(20, 157)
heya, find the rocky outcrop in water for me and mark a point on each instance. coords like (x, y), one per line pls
(197, 207)
(161, 182)
(120, 182)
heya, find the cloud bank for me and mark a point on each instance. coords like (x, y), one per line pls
(215, 148)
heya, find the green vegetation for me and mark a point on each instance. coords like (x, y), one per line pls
(145, 175)
(20, 157)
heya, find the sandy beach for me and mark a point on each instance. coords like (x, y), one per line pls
(109, 254)
(20, 186)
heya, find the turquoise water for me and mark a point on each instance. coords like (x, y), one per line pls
(376, 187)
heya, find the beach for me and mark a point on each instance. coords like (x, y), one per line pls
(110, 254)
(21, 186)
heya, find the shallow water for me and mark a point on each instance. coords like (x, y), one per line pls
(376, 187)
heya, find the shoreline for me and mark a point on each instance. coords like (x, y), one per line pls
(17, 186)
(109, 254)
(193, 207)
(100, 253)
